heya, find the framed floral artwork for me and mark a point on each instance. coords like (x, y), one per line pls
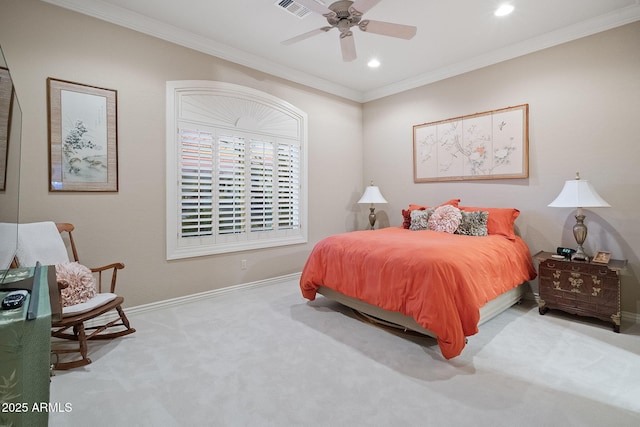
(489, 145)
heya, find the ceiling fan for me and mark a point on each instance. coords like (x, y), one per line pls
(345, 14)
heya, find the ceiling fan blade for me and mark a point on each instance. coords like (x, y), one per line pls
(388, 29)
(306, 35)
(348, 47)
(363, 6)
(314, 6)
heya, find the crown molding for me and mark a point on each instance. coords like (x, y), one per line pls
(583, 29)
(137, 22)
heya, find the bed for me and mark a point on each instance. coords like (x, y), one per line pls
(423, 278)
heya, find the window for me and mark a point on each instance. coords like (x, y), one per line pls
(236, 170)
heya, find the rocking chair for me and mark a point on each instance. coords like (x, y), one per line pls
(42, 241)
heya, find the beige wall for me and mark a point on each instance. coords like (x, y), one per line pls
(40, 41)
(584, 100)
(584, 115)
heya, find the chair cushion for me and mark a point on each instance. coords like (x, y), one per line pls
(40, 241)
(96, 301)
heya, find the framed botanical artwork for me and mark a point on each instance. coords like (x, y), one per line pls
(83, 137)
(6, 98)
(489, 145)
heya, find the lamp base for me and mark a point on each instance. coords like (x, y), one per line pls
(579, 255)
(580, 234)
(372, 217)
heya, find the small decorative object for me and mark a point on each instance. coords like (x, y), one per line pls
(6, 97)
(83, 140)
(565, 252)
(578, 193)
(372, 195)
(602, 257)
(489, 145)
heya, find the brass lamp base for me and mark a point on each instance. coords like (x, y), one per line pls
(580, 234)
(372, 216)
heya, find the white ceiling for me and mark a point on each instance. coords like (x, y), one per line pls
(453, 37)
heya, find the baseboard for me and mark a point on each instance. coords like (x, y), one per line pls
(630, 317)
(172, 302)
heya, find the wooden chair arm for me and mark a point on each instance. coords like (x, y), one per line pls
(114, 267)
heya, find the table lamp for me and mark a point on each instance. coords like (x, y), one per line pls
(372, 195)
(578, 193)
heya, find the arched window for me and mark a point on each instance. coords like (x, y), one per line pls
(236, 170)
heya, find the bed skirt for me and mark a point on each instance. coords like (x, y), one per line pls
(487, 312)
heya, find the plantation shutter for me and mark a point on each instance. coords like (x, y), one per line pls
(196, 183)
(231, 185)
(261, 163)
(288, 186)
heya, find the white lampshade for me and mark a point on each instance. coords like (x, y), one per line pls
(578, 193)
(372, 195)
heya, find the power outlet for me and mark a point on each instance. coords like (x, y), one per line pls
(243, 264)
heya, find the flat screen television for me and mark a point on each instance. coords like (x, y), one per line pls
(10, 142)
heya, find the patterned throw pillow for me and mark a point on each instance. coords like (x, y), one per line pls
(82, 284)
(501, 220)
(420, 219)
(445, 218)
(473, 223)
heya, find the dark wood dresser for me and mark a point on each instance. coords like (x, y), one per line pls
(579, 287)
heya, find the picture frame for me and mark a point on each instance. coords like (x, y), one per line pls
(6, 104)
(489, 145)
(601, 257)
(83, 137)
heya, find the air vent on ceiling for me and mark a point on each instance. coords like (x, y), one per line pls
(294, 8)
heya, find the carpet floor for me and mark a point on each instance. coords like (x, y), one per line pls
(267, 357)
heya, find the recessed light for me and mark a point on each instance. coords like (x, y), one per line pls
(374, 63)
(503, 10)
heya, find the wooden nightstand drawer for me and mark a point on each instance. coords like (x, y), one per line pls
(580, 288)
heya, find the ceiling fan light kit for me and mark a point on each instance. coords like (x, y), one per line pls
(344, 15)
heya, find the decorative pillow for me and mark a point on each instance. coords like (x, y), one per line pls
(500, 221)
(82, 284)
(413, 207)
(406, 214)
(473, 223)
(445, 218)
(420, 219)
(406, 218)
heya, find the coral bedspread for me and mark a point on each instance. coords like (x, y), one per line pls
(439, 279)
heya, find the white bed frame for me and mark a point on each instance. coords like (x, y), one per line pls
(374, 313)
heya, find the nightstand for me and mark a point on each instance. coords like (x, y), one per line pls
(579, 287)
